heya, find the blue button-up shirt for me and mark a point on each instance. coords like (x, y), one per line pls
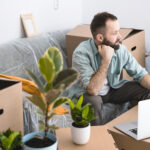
(86, 60)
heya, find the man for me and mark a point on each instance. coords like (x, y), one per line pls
(100, 61)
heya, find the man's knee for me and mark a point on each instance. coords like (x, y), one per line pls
(95, 101)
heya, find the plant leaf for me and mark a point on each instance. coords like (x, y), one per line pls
(35, 80)
(76, 115)
(53, 127)
(42, 125)
(47, 68)
(75, 100)
(59, 102)
(80, 101)
(51, 115)
(47, 87)
(52, 95)
(56, 57)
(91, 115)
(38, 101)
(85, 111)
(66, 77)
(16, 140)
(11, 141)
(71, 104)
(59, 110)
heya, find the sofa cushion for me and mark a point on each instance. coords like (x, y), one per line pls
(38, 44)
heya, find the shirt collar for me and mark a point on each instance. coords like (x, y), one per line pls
(94, 48)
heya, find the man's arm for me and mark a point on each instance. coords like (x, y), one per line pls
(98, 79)
(145, 81)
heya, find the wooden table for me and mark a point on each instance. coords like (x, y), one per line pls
(100, 139)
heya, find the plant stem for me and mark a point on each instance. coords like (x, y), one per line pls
(46, 121)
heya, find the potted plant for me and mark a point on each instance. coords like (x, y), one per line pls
(82, 116)
(48, 98)
(10, 140)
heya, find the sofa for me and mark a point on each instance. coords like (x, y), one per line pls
(25, 52)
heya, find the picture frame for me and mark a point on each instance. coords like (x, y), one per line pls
(29, 25)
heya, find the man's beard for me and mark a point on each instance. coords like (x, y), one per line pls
(113, 45)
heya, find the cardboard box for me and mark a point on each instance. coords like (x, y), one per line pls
(74, 38)
(123, 141)
(133, 39)
(11, 107)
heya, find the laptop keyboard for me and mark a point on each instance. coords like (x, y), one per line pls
(134, 131)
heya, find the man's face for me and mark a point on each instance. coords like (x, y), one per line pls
(112, 36)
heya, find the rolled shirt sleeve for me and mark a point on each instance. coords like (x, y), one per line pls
(133, 68)
(81, 63)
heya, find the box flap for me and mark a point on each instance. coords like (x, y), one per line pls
(6, 83)
(127, 32)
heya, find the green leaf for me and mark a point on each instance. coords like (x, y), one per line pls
(81, 115)
(47, 87)
(66, 77)
(71, 104)
(51, 115)
(76, 115)
(52, 95)
(42, 125)
(75, 100)
(8, 132)
(35, 80)
(10, 141)
(91, 116)
(47, 68)
(85, 111)
(38, 101)
(59, 102)
(53, 127)
(16, 140)
(56, 57)
(80, 101)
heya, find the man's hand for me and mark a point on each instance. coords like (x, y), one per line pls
(106, 52)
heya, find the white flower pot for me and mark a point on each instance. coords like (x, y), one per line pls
(80, 135)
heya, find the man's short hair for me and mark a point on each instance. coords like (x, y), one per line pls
(98, 23)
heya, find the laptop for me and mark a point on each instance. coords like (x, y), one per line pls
(139, 129)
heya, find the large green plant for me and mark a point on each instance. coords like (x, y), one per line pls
(81, 116)
(57, 80)
(10, 140)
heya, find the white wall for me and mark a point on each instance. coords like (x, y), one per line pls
(47, 18)
(130, 13)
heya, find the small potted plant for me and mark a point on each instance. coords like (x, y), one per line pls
(82, 116)
(10, 140)
(48, 98)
